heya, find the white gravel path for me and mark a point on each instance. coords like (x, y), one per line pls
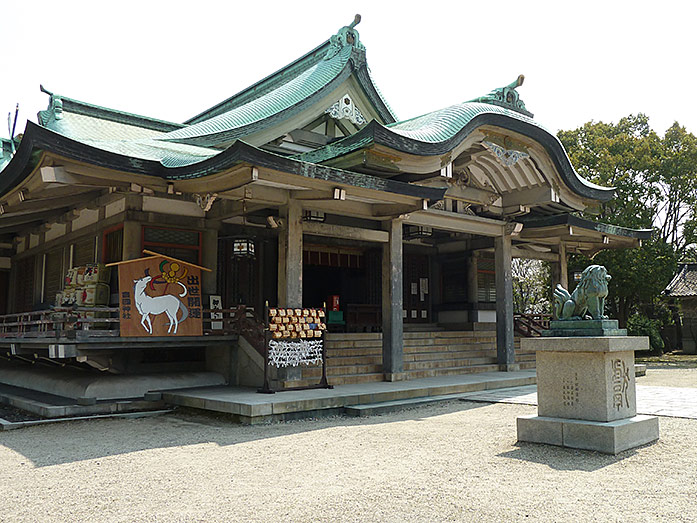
(454, 461)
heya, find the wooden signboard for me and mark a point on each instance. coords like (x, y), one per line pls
(160, 296)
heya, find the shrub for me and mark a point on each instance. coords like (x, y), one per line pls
(640, 325)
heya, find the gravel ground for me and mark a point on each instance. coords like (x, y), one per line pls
(12, 414)
(665, 376)
(449, 462)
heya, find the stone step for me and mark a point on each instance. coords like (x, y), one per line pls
(526, 365)
(341, 370)
(337, 361)
(355, 351)
(448, 363)
(336, 380)
(435, 342)
(465, 354)
(354, 344)
(524, 357)
(447, 334)
(385, 407)
(352, 336)
(452, 347)
(451, 371)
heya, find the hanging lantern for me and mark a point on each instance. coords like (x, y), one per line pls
(414, 232)
(243, 248)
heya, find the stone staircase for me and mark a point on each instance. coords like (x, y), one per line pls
(357, 357)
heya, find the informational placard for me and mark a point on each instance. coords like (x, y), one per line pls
(160, 296)
(216, 303)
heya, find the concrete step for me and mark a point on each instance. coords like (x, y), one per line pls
(450, 347)
(338, 353)
(451, 371)
(336, 361)
(385, 407)
(448, 363)
(525, 357)
(439, 342)
(354, 344)
(464, 354)
(353, 336)
(527, 365)
(422, 327)
(337, 380)
(341, 370)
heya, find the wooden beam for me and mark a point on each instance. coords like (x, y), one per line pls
(344, 232)
(450, 221)
(533, 255)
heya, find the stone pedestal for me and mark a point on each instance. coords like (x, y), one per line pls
(586, 393)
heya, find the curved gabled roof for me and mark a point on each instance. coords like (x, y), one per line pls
(285, 93)
(439, 132)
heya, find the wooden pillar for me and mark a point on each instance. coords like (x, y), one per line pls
(563, 267)
(209, 259)
(504, 304)
(392, 304)
(290, 257)
(472, 287)
(132, 241)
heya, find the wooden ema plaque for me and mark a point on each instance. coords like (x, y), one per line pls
(160, 296)
(296, 323)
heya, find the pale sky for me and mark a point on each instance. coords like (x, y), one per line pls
(171, 60)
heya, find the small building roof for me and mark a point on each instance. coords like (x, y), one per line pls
(684, 283)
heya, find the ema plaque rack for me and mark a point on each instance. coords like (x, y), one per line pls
(294, 337)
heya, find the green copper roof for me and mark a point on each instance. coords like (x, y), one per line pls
(283, 75)
(435, 127)
(441, 131)
(118, 132)
(443, 124)
(279, 99)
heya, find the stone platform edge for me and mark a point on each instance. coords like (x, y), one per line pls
(610, 437)
(586, 343)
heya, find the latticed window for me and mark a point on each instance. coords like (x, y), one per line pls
(454, 282)
(53, 274)
(486, 280)
(24, 290)
(178, 243)
(84, 251)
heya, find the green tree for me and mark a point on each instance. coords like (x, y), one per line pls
(656, 188)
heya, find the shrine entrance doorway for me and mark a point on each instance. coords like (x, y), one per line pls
(417, 289)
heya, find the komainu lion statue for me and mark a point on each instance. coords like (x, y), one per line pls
(588, 298)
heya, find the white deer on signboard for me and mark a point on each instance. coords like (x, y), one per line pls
(169, 304)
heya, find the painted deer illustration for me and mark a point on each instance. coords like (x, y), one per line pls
(169, 304)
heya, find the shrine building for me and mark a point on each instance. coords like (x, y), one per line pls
(302, 190)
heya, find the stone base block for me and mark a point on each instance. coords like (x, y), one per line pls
(610, 437)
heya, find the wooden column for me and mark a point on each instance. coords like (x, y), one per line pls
(132, 241)
(209, 259)
(392, 303)
(472, 287)
(504, 304)
(563, 267)
(290, 257)
(560, 272)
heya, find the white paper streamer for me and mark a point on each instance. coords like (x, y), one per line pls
(294, 353)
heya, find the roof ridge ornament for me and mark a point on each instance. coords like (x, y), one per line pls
(54, 109)
(506, 97)
(345, 108)
(346, 36)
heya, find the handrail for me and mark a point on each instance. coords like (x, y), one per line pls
(531, 325)
(79, 322)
